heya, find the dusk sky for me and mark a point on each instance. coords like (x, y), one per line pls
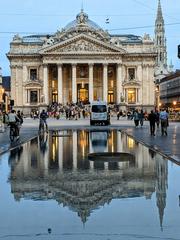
(28, 17)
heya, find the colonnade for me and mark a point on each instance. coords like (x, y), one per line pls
(91, 82)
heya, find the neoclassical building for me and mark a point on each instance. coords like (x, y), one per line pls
(82, 62)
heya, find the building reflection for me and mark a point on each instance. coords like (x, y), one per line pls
(56, 166)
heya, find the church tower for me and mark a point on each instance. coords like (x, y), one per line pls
(160, 40)
(161, 68)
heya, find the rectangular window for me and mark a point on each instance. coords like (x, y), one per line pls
(131, 73)
(33, 96)
(33, 74)
(132, 95)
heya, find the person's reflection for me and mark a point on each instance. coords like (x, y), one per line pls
(43, 142)
(152, 153)
(15, 155)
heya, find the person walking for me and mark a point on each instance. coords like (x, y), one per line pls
(136, 118)
(20, 122)
(164, 121)
(141, 117)
(152, 120)
(157, 118)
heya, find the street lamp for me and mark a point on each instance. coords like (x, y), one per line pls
(174, 104)
(1, 95)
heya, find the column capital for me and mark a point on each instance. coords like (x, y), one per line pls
(105, 64)
(119, 64)
(45, 65)
(74, 64)
(59, 65)
(91, 64)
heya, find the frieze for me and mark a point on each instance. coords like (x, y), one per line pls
(83, 46)
(16, 66)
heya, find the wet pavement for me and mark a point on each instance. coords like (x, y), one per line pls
(168, 146)
(50, 189)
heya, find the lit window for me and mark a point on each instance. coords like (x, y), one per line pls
(132, 95)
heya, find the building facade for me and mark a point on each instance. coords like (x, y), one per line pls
(170, 91)
(82, 63)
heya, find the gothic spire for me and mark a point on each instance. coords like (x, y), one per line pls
(160, 39)
(159, 13)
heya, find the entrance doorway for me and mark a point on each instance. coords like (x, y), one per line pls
(54, 96)
(110, 97)
(83, 93)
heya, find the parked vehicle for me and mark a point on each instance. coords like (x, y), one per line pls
(100, 113)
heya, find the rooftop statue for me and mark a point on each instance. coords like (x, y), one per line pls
(82, 17)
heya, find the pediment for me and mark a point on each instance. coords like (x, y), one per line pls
(81, 44)
(33, 84)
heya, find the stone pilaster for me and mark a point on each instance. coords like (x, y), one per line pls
(25, 79)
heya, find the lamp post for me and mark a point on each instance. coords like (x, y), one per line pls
(157, 97)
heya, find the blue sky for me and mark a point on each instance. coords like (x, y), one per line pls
(39, 16)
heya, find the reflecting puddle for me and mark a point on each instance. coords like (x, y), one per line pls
(49, 187)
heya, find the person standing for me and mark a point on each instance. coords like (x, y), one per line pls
(136, 118)
(164, 121)
(13, 122)
(152, 122)
(43, 117)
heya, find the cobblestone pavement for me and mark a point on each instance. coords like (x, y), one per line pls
(167, 145)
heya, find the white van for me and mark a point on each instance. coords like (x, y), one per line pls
(99, 113)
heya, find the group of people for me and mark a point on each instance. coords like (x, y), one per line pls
(158, 118)
(15, 120)
(154, 118)
(68, 111)
(71, 111)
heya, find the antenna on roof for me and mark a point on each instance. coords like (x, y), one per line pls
(82, 6)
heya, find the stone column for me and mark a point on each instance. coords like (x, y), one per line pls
(105, 82)
(25, 79)
(91, 90)
(119, 142)
(119, 83)
(74, 84)
(45, 84)
(60, 80)
(75, 150)
(60, 153)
